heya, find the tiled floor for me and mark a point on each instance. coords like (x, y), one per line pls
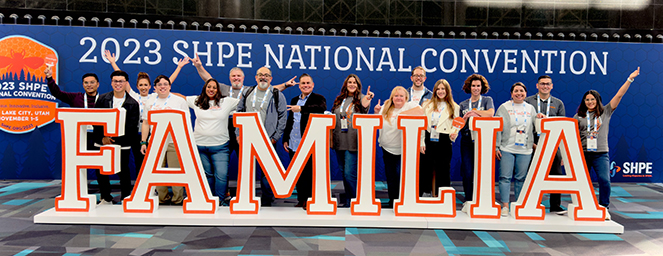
(639, 207)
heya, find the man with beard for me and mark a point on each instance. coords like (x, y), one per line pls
(270, 103)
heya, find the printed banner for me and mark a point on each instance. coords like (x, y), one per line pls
(636, 143)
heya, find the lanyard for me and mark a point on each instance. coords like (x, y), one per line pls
(142, 104)
(346, 110)
(239, 94)
(263, 99)
(515, 113)
(432, 116)
(538, 104)
(85, 99)
(155, 101)
(589, 124)
(478, 103)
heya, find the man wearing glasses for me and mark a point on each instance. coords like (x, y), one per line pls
(270, 103)
(118, 98)
(418, 92)
(548, 106)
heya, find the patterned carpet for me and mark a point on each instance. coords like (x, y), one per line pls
(639, 207)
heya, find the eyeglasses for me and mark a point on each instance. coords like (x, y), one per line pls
(545, 84)
(419, 76)
(119, 81)
(263, 75)
(162, 84)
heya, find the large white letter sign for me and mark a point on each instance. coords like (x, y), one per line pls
(76, 156)
(483, 203)
(253, 143)
(367, 127)
(173, 124)
(409, 203)
(558, 132)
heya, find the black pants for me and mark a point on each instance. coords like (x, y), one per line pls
(392, 169)
(437, 161)
(138, 157)
(305, 180)
(467, 164)
(556, 169)
(125, 178)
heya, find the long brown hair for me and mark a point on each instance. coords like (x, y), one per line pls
(356, 101)
(203, 100)
(582, 108)
(442, 84)
(388, 107)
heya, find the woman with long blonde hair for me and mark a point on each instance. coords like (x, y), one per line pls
(391, 138)
(436, 142)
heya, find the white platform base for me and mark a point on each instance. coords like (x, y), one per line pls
(296, 217)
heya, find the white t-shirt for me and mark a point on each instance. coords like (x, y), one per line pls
(170, 102)
(391, 138)
(211, 127)
(416, 95)
(117, 102)
(520, 115)
(142, 101)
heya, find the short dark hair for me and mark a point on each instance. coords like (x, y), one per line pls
(90, 74)
(513, 87)
(544, 77)
(120, 73)
(305, 75)
(162, 77)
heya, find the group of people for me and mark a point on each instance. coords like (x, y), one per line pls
(216, 137)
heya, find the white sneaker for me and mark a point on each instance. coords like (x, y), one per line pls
(466, 207)
(607, 215)
(104, 202)
(426, 194)
(505, 211)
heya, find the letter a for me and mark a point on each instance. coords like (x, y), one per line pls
(76, 156)
(563, 133)
(173, 124)
(409, 203)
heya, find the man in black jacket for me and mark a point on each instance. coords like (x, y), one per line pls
(118, 98)
(302, 106)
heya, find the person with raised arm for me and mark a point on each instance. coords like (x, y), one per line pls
(302, 106)
(476, 106)
(391, 138)
(118, 98)
(514, 143)
(164, 100)
(344, 135)
(594, 123)
(436, 141)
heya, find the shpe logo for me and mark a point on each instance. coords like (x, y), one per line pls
(25, 101)
(632, 169)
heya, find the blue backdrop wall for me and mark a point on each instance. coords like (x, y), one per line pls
(382, 63)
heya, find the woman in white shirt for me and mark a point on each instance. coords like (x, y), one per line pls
(514, 142)
(440, 134)
(164, 100)
(391, 138)
(211, 134)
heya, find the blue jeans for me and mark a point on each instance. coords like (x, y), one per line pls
(215, 162)
(601, 165)
(347, 161)
(508, 163)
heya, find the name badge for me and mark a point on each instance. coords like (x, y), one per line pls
(592, 144)
(344, 124)
(434, 135)
(90, 128)
(521, 137)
